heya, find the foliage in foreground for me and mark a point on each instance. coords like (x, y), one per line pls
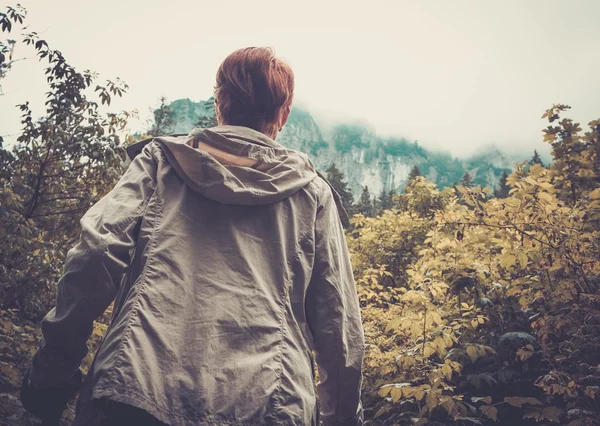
(476, 310)
(60, 165)
(482, 310)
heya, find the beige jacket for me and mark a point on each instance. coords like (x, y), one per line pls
(228, 265)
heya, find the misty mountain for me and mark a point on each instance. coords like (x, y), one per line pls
(365, 158)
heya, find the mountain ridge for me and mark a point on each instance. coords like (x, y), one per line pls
(365, 158)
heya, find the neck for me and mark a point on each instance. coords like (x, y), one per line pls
(269, 131)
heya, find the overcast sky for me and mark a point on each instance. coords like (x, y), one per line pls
(454, 74)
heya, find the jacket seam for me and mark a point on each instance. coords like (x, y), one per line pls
(339, 300)
(277, 394)
(143, 280)
(129, 276)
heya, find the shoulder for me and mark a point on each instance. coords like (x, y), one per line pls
(320, 186)
(328, 198)
(149, 145)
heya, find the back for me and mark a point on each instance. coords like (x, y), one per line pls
(234, 276)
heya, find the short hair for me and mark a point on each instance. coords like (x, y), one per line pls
(253, 86)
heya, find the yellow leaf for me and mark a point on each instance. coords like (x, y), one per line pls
(383, 410)
(396, 393)
(419, 393)
(595, 194)
(432, 398)
(407, 391)
(447, 370)
(545, 197)
(448, 341)
(383, 392)
(473, 353)
(507, 260)
(413, 297)
(436, 317)
(523, 260)
(428, 350)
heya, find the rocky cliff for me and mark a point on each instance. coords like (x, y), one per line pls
(365, 158)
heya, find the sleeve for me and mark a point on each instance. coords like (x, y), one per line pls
(334, 319)
(92, 273)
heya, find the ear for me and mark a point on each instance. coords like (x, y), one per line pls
(285, 114)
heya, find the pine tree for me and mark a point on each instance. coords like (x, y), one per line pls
(385, 201)
(415, 172)
(466, 180)
(164, 118)
(503, 188)
(364, 204)
(336, 179)
(392, 202)
(536, 159)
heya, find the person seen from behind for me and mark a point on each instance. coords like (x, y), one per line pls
(225, 257)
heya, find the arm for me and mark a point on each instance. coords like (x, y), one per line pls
(93, 273)
(334, 319)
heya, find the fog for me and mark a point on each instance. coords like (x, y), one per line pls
(455, 75)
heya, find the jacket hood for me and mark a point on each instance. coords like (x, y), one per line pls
(234, 164)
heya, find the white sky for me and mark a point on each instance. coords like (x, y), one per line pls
(454, 74)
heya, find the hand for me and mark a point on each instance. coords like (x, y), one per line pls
(49, 403)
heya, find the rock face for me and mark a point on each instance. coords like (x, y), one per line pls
(188, 113)
(365, 159)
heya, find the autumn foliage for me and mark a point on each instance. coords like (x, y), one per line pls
(477, 310)
(480, 310)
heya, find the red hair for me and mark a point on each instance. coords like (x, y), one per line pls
(253, 87)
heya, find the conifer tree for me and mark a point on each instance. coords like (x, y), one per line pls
(503, 188)
(364, 204)
(384, 201)
(466, 180)
(414, 172)
(536, 159)
(336, 179)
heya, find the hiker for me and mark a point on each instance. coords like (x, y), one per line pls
(225, 257)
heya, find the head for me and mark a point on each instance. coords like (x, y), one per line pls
(254, 89)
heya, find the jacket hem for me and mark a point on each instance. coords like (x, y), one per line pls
(131, 397)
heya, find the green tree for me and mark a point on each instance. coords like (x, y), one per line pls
(164, 119)
(59, 165)
(503, 187)
(12, 16)
(385, 201)
(536, 159)
(466, 180)
(365, 205)
(336, 179)
(414, 172)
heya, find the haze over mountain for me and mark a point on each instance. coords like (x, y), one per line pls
(364, 157)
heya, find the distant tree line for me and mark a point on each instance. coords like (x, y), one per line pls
(371, 206)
